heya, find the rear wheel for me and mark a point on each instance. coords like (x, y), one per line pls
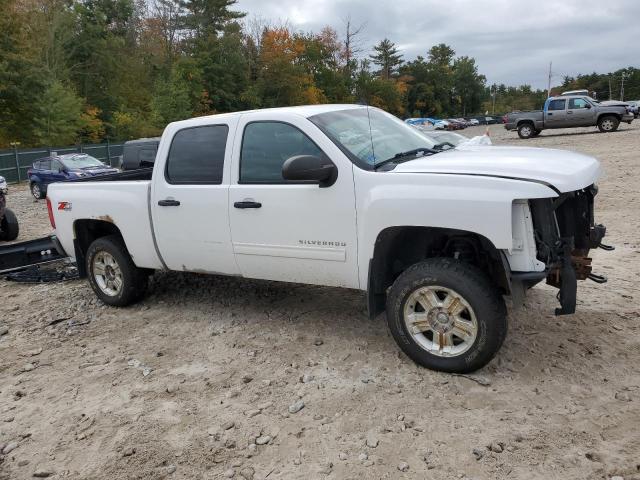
(36, 191)
(526, 130)
(112, 274)
(9, 228)
(446, 315)
(608, 123)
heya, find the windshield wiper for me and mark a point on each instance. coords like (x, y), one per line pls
(409, 153)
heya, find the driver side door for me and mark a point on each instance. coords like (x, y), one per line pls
(285, 230)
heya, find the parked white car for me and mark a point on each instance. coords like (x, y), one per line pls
(344, 196)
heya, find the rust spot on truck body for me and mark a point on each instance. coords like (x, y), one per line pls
(106, 218)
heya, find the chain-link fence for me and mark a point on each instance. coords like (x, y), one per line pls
(15, 162)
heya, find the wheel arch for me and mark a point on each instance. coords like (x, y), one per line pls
(85, 232)
(609, 114)
(397, 248)
(525, 120)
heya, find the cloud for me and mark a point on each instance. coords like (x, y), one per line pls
(512, 42)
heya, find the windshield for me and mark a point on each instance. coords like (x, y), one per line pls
(81, 161)
(369, 136)
(593, 100)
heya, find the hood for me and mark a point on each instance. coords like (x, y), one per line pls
(565, 171)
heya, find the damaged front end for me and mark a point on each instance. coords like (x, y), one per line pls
(565, 231)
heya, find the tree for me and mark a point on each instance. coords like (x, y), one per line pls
(468, 85)
(59, 117)
(22, 82)
(170, 102)
(386, 56)
(283, 78)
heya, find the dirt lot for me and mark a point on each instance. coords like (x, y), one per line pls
(196, 381)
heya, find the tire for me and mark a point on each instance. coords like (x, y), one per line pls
(476, 299)
(37, 191)
(102, 273)
(608, 123)
(525, 130)
(9, 227)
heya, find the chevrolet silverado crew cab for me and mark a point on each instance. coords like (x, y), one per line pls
(345, 196)
(568, 111)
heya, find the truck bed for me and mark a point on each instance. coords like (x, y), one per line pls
(121, 199)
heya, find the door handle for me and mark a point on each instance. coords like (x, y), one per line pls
(569, 112)
(247, 204)
(169, 203)
(549, 114)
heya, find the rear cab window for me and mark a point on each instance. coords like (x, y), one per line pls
(196, 155)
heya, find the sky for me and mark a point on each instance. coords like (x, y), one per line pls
(512, 41)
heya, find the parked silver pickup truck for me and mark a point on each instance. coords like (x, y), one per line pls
(568, 111)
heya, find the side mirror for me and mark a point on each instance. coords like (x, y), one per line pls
(588, 105)
(310, 168)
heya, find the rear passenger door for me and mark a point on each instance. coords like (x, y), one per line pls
(556, 114)
(189, 198)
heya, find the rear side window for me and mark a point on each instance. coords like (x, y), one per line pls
(266, 146)
(557, 104)
(197, 155)
(147, 156)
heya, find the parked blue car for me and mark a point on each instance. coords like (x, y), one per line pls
(59, 168)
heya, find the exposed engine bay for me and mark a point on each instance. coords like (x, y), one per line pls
(565, 231)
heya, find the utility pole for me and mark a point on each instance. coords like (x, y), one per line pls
(549, 82)
(494, 92)
(622, 87)
(609, 87)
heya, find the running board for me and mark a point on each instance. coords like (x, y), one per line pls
(17, 256)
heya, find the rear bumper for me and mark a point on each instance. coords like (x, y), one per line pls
(33, 252)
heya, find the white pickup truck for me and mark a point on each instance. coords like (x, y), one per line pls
(345, 196)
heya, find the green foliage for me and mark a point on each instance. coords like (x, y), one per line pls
(21, 82)
(59, 118)
(387, 57)
(170, 103)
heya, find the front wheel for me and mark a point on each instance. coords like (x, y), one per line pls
(9, 228)
(526, 130)
(112, 274)
(446, 315)
(608, 123)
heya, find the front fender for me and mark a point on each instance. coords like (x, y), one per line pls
(473, 203)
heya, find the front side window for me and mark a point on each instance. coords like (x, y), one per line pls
(265, 148)
(196, 155)
(576, 103)
(557, 104)
(45, 165)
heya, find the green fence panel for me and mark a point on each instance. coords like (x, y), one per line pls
(14, 171)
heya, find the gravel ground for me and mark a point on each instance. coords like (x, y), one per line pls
(213, 377)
